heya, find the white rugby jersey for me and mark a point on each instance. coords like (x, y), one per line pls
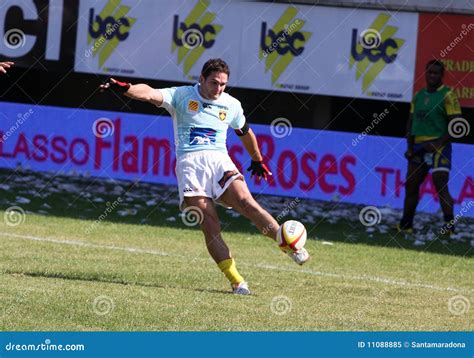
(201, 124)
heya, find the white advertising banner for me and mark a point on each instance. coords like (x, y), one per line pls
(330, 51)
(308, 49)
(166, 40)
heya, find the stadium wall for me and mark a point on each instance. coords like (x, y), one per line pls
(57, 44)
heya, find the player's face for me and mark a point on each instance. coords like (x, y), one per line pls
(434, 76)
(213, 86)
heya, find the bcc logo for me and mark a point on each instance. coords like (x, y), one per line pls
(111, 23)
(199, 33)
(373, 49)
(282, 43)
(196, 32)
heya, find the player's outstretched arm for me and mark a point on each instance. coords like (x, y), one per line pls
(140, 92)
(257, 167)
(4, 66)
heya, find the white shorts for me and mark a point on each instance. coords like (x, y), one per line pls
(205, 173)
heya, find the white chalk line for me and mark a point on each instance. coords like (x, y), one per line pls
(383, 280)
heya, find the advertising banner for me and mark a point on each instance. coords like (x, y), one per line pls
(454, 46)
(166, 40)
(330, 51)
(308, 164)
(308, 49)
(38, 33)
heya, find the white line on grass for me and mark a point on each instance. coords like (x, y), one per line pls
(387, 281)
(382, 280)
(87, 244)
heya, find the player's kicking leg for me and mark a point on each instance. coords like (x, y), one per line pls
(216, 246)
(239, 197)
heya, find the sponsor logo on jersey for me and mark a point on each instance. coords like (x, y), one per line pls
(193, 106)
(225, 178)
(222, 115)
(210, 105)
(202, 136)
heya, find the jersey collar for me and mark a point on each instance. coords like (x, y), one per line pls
(201, 98)
(437, 90)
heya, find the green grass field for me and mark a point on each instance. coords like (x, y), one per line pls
(58, 271)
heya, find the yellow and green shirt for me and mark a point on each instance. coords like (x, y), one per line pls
(430, 112)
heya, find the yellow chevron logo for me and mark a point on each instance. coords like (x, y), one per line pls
(107, 29)
(282, 43)
(194, 35)
(373, 49)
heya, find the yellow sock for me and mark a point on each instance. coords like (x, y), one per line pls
(230, 271)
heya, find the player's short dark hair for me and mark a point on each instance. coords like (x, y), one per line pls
(435, 63)
(215, 65)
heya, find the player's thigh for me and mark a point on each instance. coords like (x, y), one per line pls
(239, 197)
(440, 180)
(416, 173)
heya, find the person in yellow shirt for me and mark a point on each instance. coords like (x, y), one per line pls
(429, 144)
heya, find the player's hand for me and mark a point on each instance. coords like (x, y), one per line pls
(259, 169)
(5, 65)
(115, 86)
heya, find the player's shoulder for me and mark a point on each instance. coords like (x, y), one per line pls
(451, 101)
(420, 92)
(231, 101)
(448, 91)
(184, 90)
(180, 92)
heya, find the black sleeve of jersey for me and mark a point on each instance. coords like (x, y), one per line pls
(242, 131)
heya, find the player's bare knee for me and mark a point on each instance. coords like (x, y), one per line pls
(194, 201)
